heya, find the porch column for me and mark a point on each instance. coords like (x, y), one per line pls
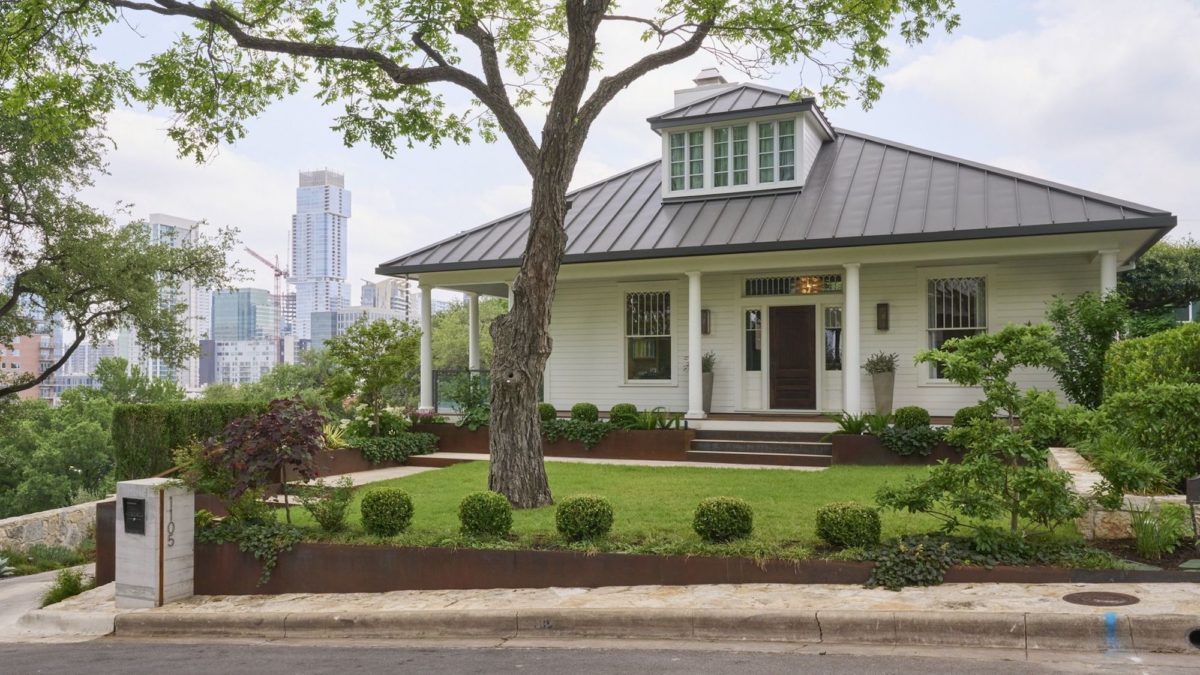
(695, 351)
(473, 331)
(427, 404)
(1108, 271)
(851, 378)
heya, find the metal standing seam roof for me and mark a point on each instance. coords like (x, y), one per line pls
(861, 190)
(735, 100)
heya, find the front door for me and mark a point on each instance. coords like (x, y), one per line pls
(793, 357)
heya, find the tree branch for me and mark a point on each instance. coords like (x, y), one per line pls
(80, 336)
(506, 115)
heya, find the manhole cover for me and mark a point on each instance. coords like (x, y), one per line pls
(1101, 599)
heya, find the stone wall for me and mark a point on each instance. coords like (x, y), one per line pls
(67, 527)
(1100, 523)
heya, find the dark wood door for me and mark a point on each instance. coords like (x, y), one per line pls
(793, 357)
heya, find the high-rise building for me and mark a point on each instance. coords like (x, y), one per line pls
(243, 314)
(401, 295)
(196, 301)
(319, 257)
(326, 325)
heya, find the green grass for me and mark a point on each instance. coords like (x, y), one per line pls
(653, 506)
(42, 558)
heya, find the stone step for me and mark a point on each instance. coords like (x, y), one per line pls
(778, 447)
(764, 458)
(781, 436)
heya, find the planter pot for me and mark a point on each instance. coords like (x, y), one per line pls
(883, 383)
(708, 386)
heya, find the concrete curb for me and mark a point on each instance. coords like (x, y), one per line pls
(53, 622)
(1010, 630)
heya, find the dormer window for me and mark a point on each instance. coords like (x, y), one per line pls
(776, 151)
(687, 160)
(731, 156)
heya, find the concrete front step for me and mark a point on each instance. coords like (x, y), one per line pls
(777, 447)
(778, 436)
(761, 458)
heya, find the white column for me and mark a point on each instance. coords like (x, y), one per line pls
(695, 350)
(473, 331)
(427, 404)
(1108, 271)
(851, 377)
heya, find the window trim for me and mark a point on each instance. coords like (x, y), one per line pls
(800, 130)
(671, 287)
(924, 275)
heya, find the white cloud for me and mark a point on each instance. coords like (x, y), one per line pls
(1096, 93)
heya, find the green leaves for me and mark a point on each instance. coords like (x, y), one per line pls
(1084, 329)
(1167, 276)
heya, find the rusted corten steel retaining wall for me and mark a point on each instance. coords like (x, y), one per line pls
(867, 450)
(660, 444)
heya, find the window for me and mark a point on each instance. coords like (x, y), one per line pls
(766, 152)
(833, 338)
(687, 160)
(730, 156)
(648, 336)
(776, 151)
(957, 308)
(794, 285)
(787, 150)
(677, 164)
(695, 160)
(753, 339)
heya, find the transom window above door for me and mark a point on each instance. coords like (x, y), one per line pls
(813, 284)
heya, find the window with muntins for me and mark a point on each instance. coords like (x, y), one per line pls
(957, 309)
(833, 338)
(753, 340)
(695, 160)
(776, 151)
(731, 158)
(648, 336)
(686, 155)
(677, 154)
(813, 284)
(766, 152)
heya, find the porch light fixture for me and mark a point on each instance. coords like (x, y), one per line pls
(881, 316)
(705, 321)
(809, 285)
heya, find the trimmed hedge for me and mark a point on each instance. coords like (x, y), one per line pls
(722, 519)
(965, 416)
(1169, 357)
(911, 417)
(144, 435)
(547, 412)
(377, 449)
(585, 412)
(623, 416)
(485, 514)
(583, 517)
(848, 525)
(386, 512)
(1163, 420)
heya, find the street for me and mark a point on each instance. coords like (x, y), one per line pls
(136, 657)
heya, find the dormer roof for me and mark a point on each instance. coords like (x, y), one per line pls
(739, 100)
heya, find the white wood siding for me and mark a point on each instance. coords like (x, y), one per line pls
(587, 362)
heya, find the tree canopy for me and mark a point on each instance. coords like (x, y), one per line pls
(451, 334)
(1167, 276)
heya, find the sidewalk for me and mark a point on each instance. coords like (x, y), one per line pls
(21, 620)
(1011, 616)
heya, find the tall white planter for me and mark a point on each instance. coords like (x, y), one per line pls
(884, 384)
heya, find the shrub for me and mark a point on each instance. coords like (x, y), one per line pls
(396, 448)
(585, 412)
(881, 362)
(583, 517)
(658, 418)
(1158, 532)
(1163, 420)
(623, 416)
(547, 412)
(848, 525)
(1125, 468)
(964, 416)
(722, 519)
(849, 423)
(485, 514)
(68, 584)
(911, 441)
(144, 435)
(587, 433)
(1084, 329)
(386, 512)
(911, 417)
(875, 423)
(327, 504)
(1169, 357)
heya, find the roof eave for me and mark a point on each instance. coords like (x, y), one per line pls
(803, 105)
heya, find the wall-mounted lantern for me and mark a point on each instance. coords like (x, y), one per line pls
(881, 316)
(705, 321)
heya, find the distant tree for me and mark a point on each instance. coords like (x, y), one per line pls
(451, 335)
(372, 358)
(123, 383)
(1167, 276)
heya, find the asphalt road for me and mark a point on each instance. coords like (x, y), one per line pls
(136, 658)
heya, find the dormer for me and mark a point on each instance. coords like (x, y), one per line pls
(723, 138)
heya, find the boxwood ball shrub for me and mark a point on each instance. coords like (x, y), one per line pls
(911, 417)
(485, 514)
(848, 525)
(623, 415)
(386, 512)
(585, 412)
(583, 517)
(965, 416)
(721, 519)
(547, 412)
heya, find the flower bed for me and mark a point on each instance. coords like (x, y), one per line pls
(659, 444)
(868, 450)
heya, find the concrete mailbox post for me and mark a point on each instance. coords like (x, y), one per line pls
(155, 542)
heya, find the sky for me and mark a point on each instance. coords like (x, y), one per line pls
(1098, 94)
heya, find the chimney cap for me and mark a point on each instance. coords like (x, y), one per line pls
(709, 76)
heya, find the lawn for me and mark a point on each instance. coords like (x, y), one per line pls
(653, 505)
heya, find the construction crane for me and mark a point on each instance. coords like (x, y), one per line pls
(280, 275)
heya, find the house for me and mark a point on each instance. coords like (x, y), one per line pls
(791, 250)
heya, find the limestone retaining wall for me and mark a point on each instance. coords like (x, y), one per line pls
(67, 527)
(1099, 523)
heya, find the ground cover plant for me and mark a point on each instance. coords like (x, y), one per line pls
(68, 584)
(42, 558)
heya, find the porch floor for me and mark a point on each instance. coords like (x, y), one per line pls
(446, 458)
